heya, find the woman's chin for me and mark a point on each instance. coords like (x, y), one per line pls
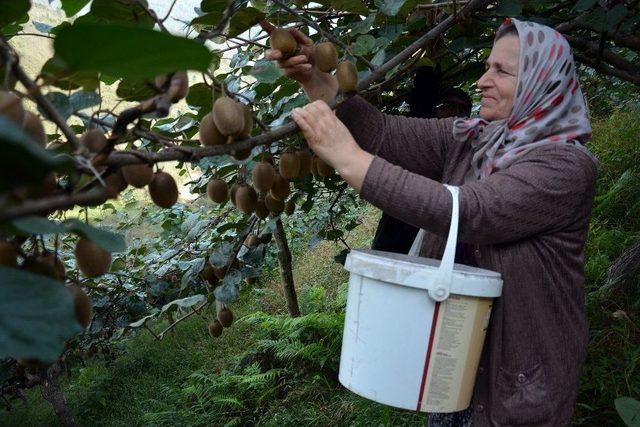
(490, 114)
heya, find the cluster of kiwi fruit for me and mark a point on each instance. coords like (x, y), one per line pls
(224, 319)
(228, 121)
(325, 56)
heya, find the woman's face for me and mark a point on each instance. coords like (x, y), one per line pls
(498, 83)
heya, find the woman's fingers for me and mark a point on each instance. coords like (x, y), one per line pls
(290, 71)
(304, 124)
(300, 36)
(273, 54)
(294, 60)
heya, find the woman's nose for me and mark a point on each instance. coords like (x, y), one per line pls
(483, 81)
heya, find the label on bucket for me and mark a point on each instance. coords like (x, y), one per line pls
(455, 345)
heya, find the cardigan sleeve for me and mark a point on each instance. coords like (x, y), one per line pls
(549, 189)
(417, 145)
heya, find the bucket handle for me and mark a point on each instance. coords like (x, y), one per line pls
(440, 287)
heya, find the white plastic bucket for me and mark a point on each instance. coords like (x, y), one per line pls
(414, 327)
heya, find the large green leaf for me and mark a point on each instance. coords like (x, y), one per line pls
(266, 71)
(128, 51)
(71, 7)
(183, 303)
(23, 161)
(389, 7)
(135, 89)
(629, 410)
(36, 316)
(354, 6)
(119, 12)
(13, 10)
(244, 19)
(214, 5)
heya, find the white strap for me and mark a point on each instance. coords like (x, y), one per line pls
(440, 287)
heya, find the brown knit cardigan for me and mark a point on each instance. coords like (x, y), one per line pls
(528, 222)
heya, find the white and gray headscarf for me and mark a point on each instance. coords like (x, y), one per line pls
(549, 107)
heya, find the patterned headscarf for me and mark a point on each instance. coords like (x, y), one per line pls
(549, 107)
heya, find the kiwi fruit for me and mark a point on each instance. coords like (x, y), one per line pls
(11, 107)
(326, 57)
(83, 306)
(115, 183)
(163, 190)
(289, 207)
(92, 260)
(208, 274)
(241, 154)
(266, 238)
(246, 199)
(217, 190)
(289, 165)
(304, 157)
(228, 116)
(281, 188)
(52, 265)
(8, 255)
(225, 316)
(179, 86)
(261, 209)
(251, 241)
(215, 329)
(263, 176)
(33, 126)
(324, 169)
(209, 133)
(347, 75)
(248, 122)
(275, 206)
(232, 192)
(93, 140)
(282, 40)
(138, 175)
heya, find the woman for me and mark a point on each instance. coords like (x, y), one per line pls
(526, 189)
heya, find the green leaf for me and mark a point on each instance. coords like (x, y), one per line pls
(209, 19)
(110, 242)
(389, 7)
(244, 19)
(629, 410)
(135, 89)
(37, 225)
(362, 27)
(354, 6)
(266, 71)
(141, 322)
(23, 161)
(37, 316)
(200, 97)
(128, 51)
(183, 303)
(119, 12)
(82, 99)
(228, 292)
(213, 5)
(13, 10)
(71, 7)
(61, 103)
(583, 5)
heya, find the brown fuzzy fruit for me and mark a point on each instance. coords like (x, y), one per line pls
(179, 86)
(208, 273)
(232, 193)
(209, 133)
(248, 123)
(261, 209)
(33, 126)
(281, 188)
(138, 175)
(251, 241)
(241, 154)
(263, 176)
(326, 57)
(8, 255)
(215, 329)
(163, 190)
(324, 169)
(225, 316)
(53, 264)
(304, 156)
(92, 260)
(246, 199)
(289, 207)
(275, 206)
(83, 306)
(116, 183)
(11, 107)
(217, 190)
(289, 165)
(282, 40)
(228, 115)
(93, 140)
(347, 75)
(266, 238)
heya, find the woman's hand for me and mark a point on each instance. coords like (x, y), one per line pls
(316, 84)
(330, 139)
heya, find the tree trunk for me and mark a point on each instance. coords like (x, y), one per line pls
(52, 392)
(284, 256)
